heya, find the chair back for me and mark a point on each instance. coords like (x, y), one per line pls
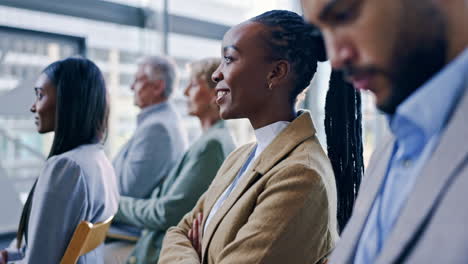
(86, 238)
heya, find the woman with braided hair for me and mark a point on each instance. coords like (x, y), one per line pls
(274, 200)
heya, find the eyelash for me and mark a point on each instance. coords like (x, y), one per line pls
(228, 59)
(348, 15)
(344, 16)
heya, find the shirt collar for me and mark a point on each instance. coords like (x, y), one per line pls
(427, 109)
(265, 135)
(150, 110)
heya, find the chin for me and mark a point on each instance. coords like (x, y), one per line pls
(223, 112)
(227, 114)
(387, 106)
(42, 131)
(192, 113)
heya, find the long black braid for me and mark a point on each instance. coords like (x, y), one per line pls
(344, 142)
(300, 43)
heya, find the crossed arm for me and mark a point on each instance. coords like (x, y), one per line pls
(292, 210)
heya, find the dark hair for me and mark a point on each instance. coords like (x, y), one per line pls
(82, 107)
(293, 39)
(344, 142)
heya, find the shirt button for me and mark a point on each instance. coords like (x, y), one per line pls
(132, 260)
(407, 163)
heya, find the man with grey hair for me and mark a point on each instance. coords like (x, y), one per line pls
(159, 140)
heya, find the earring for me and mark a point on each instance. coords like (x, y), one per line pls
(269, 86)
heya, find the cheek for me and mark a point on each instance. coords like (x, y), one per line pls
(201, 97)
(144, 94)
(245, 82)
(139, 89)
(376, 31)
(46, 111)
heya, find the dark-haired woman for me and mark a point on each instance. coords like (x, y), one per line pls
(273, 201)
(77, 182)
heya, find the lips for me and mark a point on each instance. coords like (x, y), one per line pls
(361, 82)
(221, 95)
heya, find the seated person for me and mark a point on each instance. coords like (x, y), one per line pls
(273, 201)
(78, 182)
(187, 180)
(159, 139)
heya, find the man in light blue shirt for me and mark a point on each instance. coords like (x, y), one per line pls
(417, 129)
(413, 56)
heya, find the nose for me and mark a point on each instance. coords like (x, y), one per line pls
(33, 108)
(340, 52)
(217, 75)
(186, 91)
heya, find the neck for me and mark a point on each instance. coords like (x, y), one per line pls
(153, 103)
(272, 115)
(457, 33)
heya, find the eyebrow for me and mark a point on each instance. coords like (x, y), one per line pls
(230, 47)
(327, 9)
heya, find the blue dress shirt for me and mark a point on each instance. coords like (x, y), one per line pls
(417, 126)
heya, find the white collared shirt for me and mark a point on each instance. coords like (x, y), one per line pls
(264, 136)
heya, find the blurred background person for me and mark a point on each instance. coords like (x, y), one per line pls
(78, 182)
(186, 181)
(159, 139)
(413, 56)
(275, 200)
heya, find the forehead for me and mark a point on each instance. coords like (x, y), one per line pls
(245, 34)
(314, 8)
(142, 70)
(43, 82)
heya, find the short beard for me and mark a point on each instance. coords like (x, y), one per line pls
(416, 58)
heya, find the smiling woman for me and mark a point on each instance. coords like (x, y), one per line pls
(275, 200)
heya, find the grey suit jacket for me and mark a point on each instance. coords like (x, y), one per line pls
(186, 182)
(74, 186)
(432, 226)
(158, 142)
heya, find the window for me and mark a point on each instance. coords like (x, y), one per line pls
(24, 53)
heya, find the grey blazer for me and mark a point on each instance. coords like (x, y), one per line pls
(432, 226)
(74, 186)
(158, 142)
(186, 182)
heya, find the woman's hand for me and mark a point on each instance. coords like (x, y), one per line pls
(195, 233)
(3, 257)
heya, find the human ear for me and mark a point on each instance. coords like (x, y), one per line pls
(279, 73)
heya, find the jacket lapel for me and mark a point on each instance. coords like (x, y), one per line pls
(372, 183)
(438, 172)
(298, 131)
(229, 174)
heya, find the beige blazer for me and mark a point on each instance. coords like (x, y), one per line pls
(282, 211)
